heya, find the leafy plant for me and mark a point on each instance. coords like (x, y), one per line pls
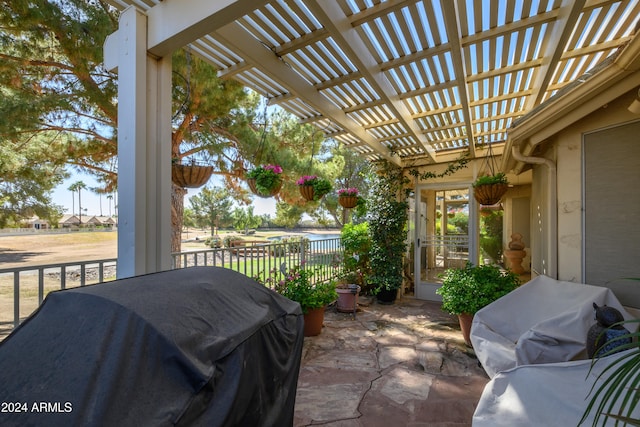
(320, 186)
(213, 242)
(620, 387)
(296, 284)
(297, 244)
(278, 248)
(229, 240)
(387, 217)
(468, 289)
(491, 235)
(498, 178)
(357, 244)
(268, 178)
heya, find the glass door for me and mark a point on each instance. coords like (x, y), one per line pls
(444, 223)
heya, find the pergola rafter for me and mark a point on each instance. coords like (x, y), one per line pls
(408, 80)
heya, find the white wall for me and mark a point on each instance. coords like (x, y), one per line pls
(566, 148)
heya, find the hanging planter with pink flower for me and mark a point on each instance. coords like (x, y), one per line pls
(265, 181)
(313, 188)
(348, 197)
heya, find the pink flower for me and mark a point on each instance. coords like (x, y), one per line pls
(275, 168)
(304, 180)
(348, 191)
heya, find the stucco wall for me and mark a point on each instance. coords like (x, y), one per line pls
(567, 150)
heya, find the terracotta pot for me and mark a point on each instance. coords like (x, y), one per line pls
(347, 300)
(313, 320)
(190, 176)
(465, 320)
(307, 191)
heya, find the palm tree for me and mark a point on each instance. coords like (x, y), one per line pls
(99, 191)
(72, 188)
(110, 197)
(78, 186)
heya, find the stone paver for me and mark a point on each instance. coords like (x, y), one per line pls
(404, 364)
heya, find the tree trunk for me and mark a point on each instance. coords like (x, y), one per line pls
(177, 210)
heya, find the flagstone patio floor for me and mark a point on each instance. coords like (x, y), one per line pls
(403, 364)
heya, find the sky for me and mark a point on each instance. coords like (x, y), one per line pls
(92, 201)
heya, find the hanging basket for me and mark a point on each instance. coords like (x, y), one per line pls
(348, 202)
(489, 194)
(307, 191)
(486, 210)
(190, 175)
(254, 189)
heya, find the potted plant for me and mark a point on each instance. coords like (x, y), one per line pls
(265, 181)
(387, 217)
(489, 189)
(466, 290)
(313, 297)
(348, 197)
(312, 187)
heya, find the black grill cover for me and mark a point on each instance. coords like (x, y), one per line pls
(196, 346)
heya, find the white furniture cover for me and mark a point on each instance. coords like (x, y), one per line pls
(543, 321)
(546, 395)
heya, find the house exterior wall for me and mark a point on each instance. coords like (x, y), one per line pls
(566, 149)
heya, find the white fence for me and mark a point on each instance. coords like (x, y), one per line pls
(23, 289)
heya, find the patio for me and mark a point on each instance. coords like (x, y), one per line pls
(403, 365)
(416, 83)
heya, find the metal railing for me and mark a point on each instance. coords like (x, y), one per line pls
(28, 286)
(451, 250)
(258, 260)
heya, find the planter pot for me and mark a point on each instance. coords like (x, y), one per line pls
(254, 189)
(348, 201)
(489, 194)
(190, 176)
(385, 296)
(465, 320)
(347, 299)
(307, 191)
(313, 320)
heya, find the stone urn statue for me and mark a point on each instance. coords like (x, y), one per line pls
(515, 253)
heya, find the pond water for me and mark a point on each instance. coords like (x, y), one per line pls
(310, 236)
(316, 236)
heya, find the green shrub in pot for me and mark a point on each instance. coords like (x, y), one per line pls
(468, 289)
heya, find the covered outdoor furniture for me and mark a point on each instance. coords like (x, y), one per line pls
(196, 346)
(543, 321)
(548, 395)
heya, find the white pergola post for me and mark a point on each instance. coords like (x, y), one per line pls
(144, 148)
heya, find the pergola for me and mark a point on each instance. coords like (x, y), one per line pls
(413, 82)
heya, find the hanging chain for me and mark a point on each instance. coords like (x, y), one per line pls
(313, 150)
(257, 157)
(490, 161)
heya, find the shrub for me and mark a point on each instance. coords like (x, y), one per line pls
(467, 290)
(213, 242)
